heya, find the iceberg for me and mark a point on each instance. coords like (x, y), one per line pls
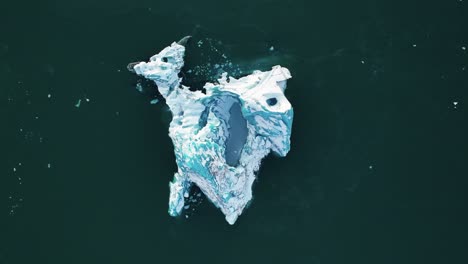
(220, 136)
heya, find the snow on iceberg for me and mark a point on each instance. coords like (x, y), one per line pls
(221, 136)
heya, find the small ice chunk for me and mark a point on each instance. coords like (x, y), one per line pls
(414, 45)
(272, 48)
(187, 207)
(363, 62)
(154, 101)
(14, 169)
(49, 95)
(87, 100)
(463, 48)
(48, 165)
(77, 105)
(139, 87)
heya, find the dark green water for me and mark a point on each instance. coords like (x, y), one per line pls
(377, 171)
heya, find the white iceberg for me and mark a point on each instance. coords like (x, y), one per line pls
(221, 136)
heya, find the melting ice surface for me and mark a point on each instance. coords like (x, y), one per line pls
(221, 136)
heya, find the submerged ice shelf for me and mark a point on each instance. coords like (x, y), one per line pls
(221, 136)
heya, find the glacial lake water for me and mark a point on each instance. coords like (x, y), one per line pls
(377, 171)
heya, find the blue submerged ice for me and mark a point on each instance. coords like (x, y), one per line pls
(221, 136)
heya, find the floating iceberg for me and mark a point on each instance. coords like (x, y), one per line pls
(221, 136)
